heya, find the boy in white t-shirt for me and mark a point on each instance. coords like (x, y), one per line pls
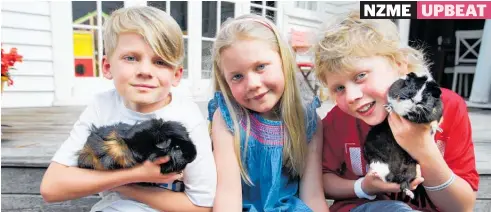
(144, 52)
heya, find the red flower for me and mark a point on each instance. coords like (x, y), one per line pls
(8, 61)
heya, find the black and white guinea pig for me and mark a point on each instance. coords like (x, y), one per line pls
(415, 97)
(123, 146)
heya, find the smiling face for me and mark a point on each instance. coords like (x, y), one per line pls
(362, 92)
(253, 72)
(140, 76)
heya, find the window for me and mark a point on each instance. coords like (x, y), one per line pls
(214, 13)
(307, 5)
(268, 9)
(88, 18)
(179, 11)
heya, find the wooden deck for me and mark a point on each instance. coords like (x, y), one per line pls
(33, 135)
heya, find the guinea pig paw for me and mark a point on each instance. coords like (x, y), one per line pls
(409, 193)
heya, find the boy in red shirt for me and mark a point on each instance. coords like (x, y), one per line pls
(358, 59)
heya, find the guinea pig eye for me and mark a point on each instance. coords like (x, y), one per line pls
(177, 147)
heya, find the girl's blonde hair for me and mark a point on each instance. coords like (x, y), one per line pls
(158, 28)
(254, 27)
(348, 38)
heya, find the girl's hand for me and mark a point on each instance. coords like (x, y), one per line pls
(372, 184)
(150, 172)
(412, 137)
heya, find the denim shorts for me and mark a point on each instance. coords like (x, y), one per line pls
(382, 206)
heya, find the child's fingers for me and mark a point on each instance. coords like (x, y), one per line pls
(171, 177)
(179, 176)
(416, 182)
(381, 185)
(394, 118)
(392, 187)
(161, 160)
(418, 179)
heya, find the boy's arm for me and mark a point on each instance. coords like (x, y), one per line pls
(336, 187)
(61, 182)
(458, 159)
(229, 187)
(310, 191)
(160, 199)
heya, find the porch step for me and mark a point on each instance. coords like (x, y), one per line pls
(20, 193)
(35, 203)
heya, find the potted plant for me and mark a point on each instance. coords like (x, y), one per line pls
(8, 61)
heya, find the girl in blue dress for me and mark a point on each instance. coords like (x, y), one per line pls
(267, 143)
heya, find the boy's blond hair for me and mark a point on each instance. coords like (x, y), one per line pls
(254, 27)
(348, 38)
(158, 28)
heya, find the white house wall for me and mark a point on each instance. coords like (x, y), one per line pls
(339, 7)
(39, 30)
(27, 27)
(310, 21)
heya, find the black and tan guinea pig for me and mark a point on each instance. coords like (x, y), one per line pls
(415, 97)
(123, 146)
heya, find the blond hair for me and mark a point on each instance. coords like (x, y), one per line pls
(254, 27)
(348, 38)
(158, 28)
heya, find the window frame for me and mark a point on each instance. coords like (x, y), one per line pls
(218, 25)
(264, 7)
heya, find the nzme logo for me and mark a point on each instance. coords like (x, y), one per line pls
(387, 10)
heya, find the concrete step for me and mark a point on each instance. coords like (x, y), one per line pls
(20, 192)
(35, 203)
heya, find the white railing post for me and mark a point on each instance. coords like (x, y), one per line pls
(481, 87)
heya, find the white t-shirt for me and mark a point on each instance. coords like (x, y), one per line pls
(108, 108)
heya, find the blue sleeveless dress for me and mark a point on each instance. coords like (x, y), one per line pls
(271, 190)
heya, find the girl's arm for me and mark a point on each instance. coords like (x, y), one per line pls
(310, 189)
(160, 199)
(417, 141)
(229, 189)
(61, 183)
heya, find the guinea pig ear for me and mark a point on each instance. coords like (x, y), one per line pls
(434, 89)
(412, 75)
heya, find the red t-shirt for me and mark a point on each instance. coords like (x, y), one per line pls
(344, 136)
